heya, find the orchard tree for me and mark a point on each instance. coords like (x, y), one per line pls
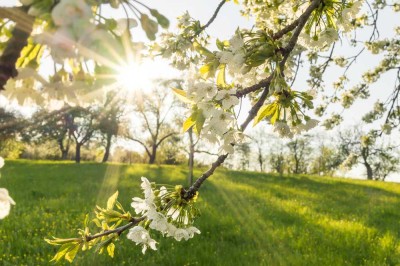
(260, 64)
(154, 111)
(109, 120)
(10, 125)
(326, 160)
(84, 125)
(299, 155)
(379, 158)
(47, 126)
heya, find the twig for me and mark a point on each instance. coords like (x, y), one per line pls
(214, 16)
(118, 230)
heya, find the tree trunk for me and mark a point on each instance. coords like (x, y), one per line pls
(62, 150)
(369, 171)
(64, 154)
(107, 151)
(260, 161)
(152, 157)
(365, 154)
(78, 153)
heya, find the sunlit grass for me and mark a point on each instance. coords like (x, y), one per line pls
(247, 218)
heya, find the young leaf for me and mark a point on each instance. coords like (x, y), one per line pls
(221, 82)
(161, 19)
(203, 51)
(181, 94)
(209, 69)
(70, 256)
(149, 26)
(275, 116)
(265, 111)
(110, 249)
(200, 119)
(111, 201)
(189, 122)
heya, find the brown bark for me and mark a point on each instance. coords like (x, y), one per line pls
(20, 34)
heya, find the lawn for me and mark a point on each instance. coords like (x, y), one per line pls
(247, 218)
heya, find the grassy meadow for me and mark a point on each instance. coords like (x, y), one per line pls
(247, 218)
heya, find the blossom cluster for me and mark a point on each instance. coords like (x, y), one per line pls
(76, 33)
(350, 161)
(5, 200)
(178, 46)
(165, 211)
(216, 107)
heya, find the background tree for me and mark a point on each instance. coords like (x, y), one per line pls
(51, 126)
(379, 158)
(84, 125)
(299, 153)
(11, 124)
(153, 111)
(109, 120)
(326, 160)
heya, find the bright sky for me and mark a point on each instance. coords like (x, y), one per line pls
(224, 26)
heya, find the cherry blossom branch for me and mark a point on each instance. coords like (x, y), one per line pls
(20, 34)
(119, 230)
(298, 25)
(191, 192)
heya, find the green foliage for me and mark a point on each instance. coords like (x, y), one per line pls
(297, 220)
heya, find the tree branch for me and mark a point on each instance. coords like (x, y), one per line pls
(119, 230)
(191, 192)
(141, 143)
(163, 138)
(214, 16)
(20, 34)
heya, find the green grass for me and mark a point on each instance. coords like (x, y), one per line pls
(247, 218)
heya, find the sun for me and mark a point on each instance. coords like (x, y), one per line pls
(134, 77)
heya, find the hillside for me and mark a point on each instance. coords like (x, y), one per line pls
(247, 218)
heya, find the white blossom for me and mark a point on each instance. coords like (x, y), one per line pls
(227, 97)
(225, 57)
(192, 230)
(26, 2)
(282, 129)
(180, 234)
(236, 43)
(146, 186)
(141, 236)
(158, 221)
(68, 11)
(5, 203)
(140, 206)
(1, 162)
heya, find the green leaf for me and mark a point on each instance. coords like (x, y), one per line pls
(161, 19)
(111, 201)
(275, 116)
(221, 44)
(203, 51)
(149, 26)
(209, 69)
(110, 249)
(265, 111)
(221, 82)
(70, 256)
(200, 119)
(191, 121)
(96, 222)
(181, 94)
(63, 251)
(86, 221)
